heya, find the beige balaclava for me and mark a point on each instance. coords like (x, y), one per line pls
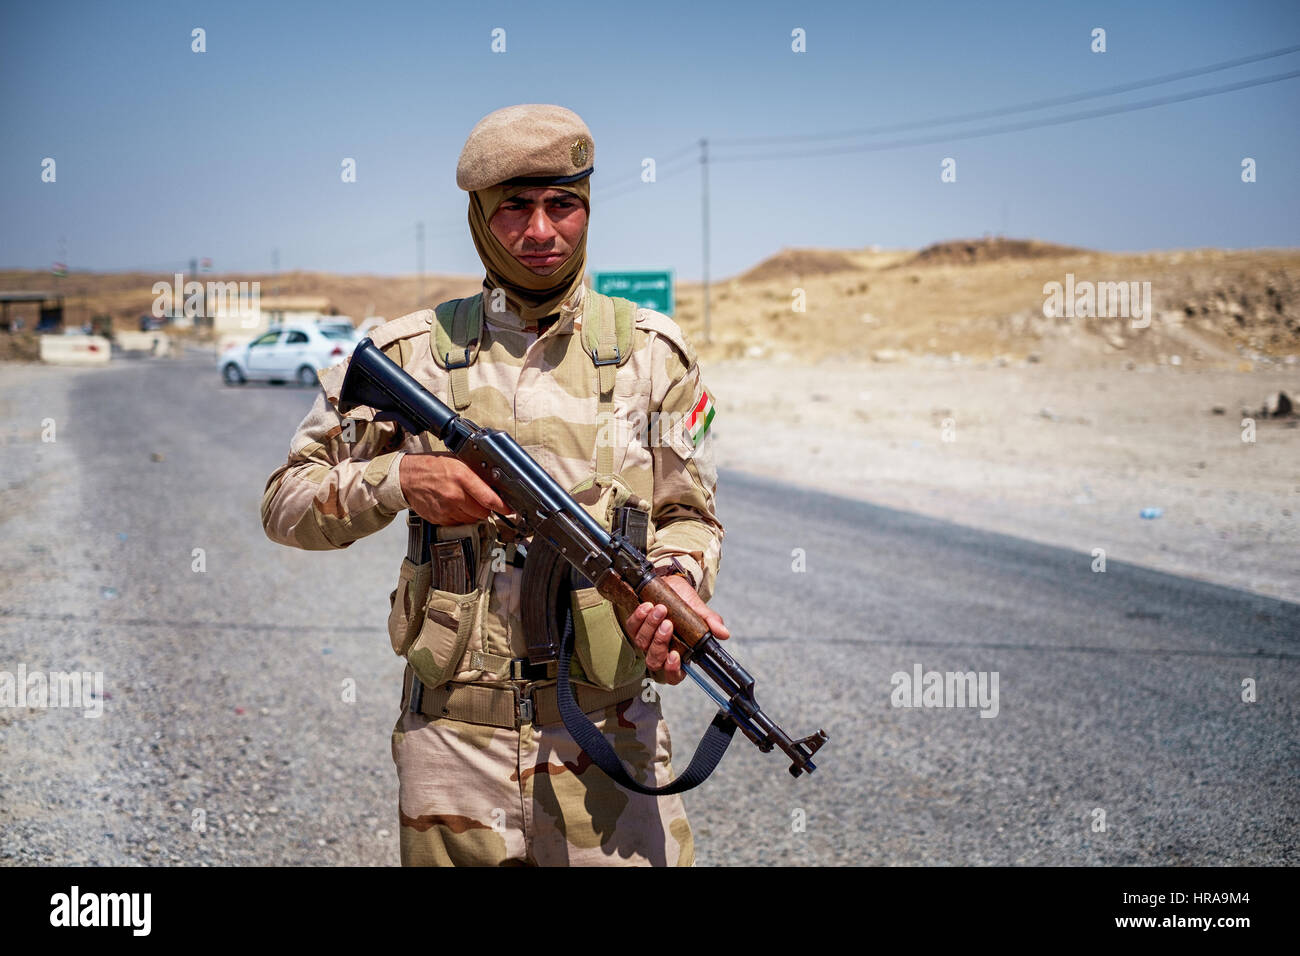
(508, 152)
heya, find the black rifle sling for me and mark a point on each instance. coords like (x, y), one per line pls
(712, 745)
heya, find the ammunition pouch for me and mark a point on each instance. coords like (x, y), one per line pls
(606, 657)
(407, 601)
(434, 608)
(444, 636)
(556, 596)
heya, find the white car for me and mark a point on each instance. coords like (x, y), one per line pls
(283, 353)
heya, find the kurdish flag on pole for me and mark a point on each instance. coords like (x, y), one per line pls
(700, 419)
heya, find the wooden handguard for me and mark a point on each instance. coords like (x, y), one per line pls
(688, 627)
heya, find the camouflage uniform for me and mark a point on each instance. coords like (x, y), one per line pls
(475, 794)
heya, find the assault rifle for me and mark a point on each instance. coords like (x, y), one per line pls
(619, 571)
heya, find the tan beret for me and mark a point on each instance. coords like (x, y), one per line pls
(533, 141)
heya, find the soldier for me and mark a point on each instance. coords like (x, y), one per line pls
(607, 398)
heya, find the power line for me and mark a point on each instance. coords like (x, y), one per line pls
(632, 186)
(1013, 127)
(686, 150)
(1007, 110)
(619, 186)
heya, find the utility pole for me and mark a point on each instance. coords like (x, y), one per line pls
(419, 257)
(60, 271)
(275, 272)
(704, 204)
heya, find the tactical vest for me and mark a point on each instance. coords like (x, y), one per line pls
(439, 630)
(607, 324)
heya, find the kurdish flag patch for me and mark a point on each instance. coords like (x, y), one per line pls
(701, 418)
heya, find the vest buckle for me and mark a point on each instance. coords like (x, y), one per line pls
(598, 361)
(450, 365)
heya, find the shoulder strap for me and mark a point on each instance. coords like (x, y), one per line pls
(607, 324)
(457, 332)
(593, 743)
(607, 328)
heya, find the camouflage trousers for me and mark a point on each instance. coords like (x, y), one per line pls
(473, 795)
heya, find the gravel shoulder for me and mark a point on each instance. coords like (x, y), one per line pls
(247, 707)
(1068, 457)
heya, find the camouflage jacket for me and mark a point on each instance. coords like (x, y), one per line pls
(341, 479)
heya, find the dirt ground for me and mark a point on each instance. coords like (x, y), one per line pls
(1067, 457)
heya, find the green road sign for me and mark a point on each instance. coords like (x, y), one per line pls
(650, 290)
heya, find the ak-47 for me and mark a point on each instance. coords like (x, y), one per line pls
(619, 571)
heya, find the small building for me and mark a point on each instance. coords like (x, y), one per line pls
(249, 312)
(45, 307)
(295, 308)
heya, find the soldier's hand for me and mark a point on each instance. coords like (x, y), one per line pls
(650, 630)
(444, 490)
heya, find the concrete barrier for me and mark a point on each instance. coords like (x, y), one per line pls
(156, 343)
(75, 350)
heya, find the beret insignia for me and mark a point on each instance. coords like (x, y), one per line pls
(578, 153)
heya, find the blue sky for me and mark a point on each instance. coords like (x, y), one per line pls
(164, 154)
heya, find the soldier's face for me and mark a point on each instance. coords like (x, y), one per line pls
(540, 227)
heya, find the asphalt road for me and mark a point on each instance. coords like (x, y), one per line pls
(248, 704)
